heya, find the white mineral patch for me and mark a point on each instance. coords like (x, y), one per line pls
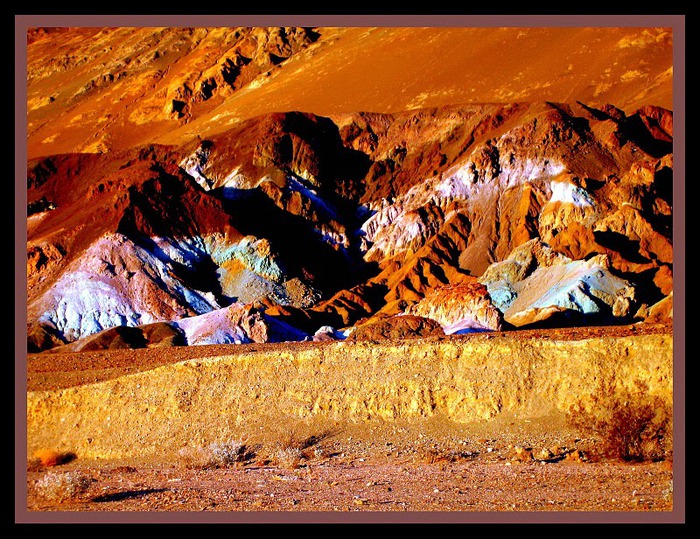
(332, 238)
(532, 169)
(456, 186)
(214, 327)
(101, 290)
(193, 166)
(463, 175)
(235, 180)
(82, 303)
(582, 286)
(569, 193)
(408, 230)
(379, 220)
(390, 230)
(228, 326)
(183, 251)
(36, 218)
(466, 325)
(196, 172)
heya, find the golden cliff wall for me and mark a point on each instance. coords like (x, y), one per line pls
(201, 401)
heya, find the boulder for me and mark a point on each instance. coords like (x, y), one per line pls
(396, 328)
(327, 333)
(660, 312)
(155, 335)
(536, 283)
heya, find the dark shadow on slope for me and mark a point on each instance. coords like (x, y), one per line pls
(324, 177)
(168, 207)
(629, 249)
(634, 130)
(646, 290)
(339, 169)
(42, 336)
(39, 206)
(200, 274)
(203, 276)
(662, 221)
(300, 248)
(663, 184)
(578, 124)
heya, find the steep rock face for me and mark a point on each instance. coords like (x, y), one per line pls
(434, 264)
(289, 178)
(305, 146)
(585, 181)
(408, 147)
(115, 282)
(150, 245)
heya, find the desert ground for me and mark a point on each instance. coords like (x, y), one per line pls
(318, 469)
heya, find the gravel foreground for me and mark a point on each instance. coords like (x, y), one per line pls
(379, 472)
(464, 491)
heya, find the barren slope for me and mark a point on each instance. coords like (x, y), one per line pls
(110, 88)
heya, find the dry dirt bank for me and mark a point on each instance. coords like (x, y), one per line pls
(464, 424)
(236, 395)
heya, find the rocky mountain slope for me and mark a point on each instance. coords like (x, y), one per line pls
(160, 213)
(96, 88)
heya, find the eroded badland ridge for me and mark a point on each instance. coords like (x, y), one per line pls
(277, 225)
(380, 224)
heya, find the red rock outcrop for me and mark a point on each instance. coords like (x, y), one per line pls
(662, 311)
(460, 308)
